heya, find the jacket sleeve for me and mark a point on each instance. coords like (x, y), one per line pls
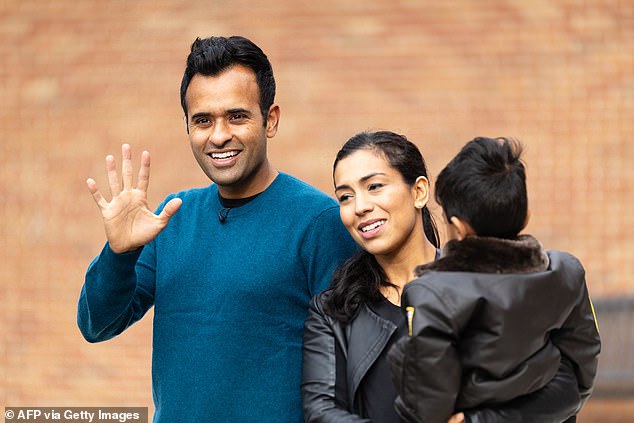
(118, 290)
(578, 339)
(426, 366)
(319, 371)
(554, 403)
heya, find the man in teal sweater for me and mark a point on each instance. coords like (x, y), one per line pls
(231, 275)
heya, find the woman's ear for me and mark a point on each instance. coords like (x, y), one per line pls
(461, 228)
(421, 192)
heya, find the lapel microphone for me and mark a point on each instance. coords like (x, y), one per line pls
(223, 213)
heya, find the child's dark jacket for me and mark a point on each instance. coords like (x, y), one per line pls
(491, 321)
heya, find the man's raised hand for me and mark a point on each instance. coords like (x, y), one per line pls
(128, 221)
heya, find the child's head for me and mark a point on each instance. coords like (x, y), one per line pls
(484, 187)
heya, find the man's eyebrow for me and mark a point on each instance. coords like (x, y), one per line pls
(227, 112)
(362, 179)
(238, 110)
(198, 115)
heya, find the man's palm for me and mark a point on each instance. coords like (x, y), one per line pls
(128, 221)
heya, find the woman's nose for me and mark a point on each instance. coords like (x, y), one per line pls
(362, 205)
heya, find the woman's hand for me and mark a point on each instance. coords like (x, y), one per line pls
(456, 418)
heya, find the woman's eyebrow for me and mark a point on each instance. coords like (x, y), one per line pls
(370, 176)
(362, 179)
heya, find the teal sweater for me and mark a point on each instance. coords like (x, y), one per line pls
(229, 301)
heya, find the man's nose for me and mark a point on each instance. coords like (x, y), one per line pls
(220, 133)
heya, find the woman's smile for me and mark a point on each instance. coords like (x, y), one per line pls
(371, 228)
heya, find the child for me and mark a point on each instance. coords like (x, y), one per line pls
(493, 317)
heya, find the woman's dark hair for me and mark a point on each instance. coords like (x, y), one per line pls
(211, 56)
(359, 279)
(485, 186)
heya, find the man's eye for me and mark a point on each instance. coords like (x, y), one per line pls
(238, 116)
(201, 121)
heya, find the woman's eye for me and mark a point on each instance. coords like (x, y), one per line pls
(373, 187)
(344, 197)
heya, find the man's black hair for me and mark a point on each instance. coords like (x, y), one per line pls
(211, 56)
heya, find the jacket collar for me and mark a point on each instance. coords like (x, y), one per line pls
(490, 255)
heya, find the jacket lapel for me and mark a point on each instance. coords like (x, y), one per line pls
(368, 335)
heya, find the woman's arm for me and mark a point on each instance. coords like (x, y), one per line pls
(319, 371)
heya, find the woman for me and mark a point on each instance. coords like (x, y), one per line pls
(382, 186)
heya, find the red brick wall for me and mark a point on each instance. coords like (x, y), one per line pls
(78, 78)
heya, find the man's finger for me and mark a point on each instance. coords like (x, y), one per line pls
(113, 178)
(126, 166)
(170, 208)
(96, 195)
(144, 172)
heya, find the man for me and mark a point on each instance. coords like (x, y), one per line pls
(231, 275)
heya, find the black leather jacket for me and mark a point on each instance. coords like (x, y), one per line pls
(490, 321)
(329, 397)
(361, 342)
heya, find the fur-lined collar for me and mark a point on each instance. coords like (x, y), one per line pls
(490, 255)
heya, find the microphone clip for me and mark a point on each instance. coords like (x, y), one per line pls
(223, 213)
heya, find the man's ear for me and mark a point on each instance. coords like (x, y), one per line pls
(421, 192)
(272, 120)
(463, 229)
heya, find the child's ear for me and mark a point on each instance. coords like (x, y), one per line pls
(421, 192)
(528, 218)
(463, 229)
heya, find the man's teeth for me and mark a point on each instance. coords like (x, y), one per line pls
(225, 155)
(373, 226)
